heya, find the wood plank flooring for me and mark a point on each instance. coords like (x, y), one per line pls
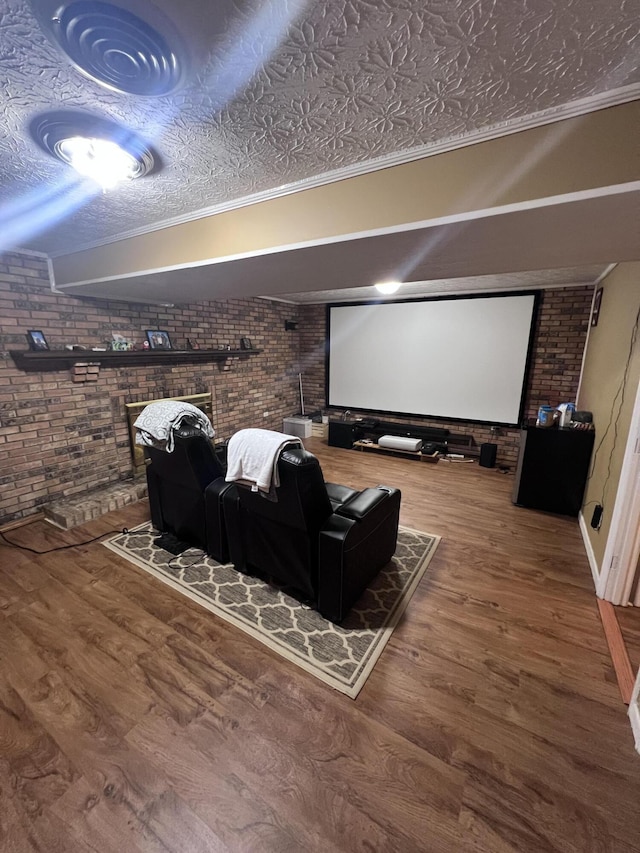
(629, 622)
(133, 720)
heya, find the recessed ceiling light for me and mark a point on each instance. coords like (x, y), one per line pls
(96, 148)
(115, 47)
(103, 161)
(388, 287)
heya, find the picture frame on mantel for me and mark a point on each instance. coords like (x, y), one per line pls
(158, 339)
(36, 340)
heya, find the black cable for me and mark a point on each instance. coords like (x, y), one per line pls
(172, 565)
(124, 530)
(621, 388)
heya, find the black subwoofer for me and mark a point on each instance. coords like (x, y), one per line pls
(488, 453)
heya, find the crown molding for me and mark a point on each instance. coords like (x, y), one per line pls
(29, 252)
(583, 106)
(605, 273)
(450, 219)
(279, 299)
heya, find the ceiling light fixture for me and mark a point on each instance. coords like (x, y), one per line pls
(103, 161)
(116, 47)
(388, 287)
(96, 148)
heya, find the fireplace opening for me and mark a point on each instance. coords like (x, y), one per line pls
(201, 401)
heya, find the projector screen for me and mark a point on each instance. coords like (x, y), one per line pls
(464, 358)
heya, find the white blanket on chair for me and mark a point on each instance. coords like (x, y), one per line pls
(252, 457)
(156, 422)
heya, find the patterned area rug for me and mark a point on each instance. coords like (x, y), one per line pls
(340, 655)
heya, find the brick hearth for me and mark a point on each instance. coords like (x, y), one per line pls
(70, 512)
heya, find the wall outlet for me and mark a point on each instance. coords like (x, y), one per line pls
(596, 518)
(265, 414)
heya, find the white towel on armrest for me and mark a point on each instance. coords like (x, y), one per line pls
(252, 457)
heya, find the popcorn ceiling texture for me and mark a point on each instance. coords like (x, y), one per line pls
(59, 439)
(295, 89)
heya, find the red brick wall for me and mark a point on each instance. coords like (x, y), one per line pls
(559, 340)
(59, 438)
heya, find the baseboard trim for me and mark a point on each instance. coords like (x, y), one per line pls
(634, 717)
(591, 557)
(22, 522)
(617, 650)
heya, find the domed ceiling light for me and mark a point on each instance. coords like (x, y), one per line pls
(116, 47)
(95, 147)
(388, 287)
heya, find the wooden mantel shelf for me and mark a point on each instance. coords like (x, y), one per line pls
(33, 361)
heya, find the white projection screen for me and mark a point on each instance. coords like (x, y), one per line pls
(463, 358)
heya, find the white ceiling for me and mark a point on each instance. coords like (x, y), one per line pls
(278, 92)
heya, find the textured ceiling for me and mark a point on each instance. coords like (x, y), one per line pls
(530, 280)
(279, 92)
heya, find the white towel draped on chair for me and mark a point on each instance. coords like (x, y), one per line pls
(252, 457)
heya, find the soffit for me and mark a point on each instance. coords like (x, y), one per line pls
(529, 280)
(545, 235)
(581, 155)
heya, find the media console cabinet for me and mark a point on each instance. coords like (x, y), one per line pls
(347, 433)
(370, 446)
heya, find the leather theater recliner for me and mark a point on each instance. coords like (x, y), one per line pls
(323, 541)
(185, 492)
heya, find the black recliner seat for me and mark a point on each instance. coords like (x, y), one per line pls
(185, 491)
(326, 542)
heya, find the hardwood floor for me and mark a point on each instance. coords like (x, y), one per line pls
(133, 720)
(629, 621)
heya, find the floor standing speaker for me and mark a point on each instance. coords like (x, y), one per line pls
(488, 453)
(553, 466)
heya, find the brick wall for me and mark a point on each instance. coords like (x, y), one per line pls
(559, 339)
(58, 438)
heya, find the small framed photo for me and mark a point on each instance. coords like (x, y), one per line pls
(158, 339)
(37, 340)
(245, 343)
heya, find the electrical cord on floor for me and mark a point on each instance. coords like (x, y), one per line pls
(124, 530)
(198, 557)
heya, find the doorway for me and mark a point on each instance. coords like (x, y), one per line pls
(617, 582)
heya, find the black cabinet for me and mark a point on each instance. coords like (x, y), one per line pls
(552, 471)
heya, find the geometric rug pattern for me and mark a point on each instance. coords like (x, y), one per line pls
(343, 655)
